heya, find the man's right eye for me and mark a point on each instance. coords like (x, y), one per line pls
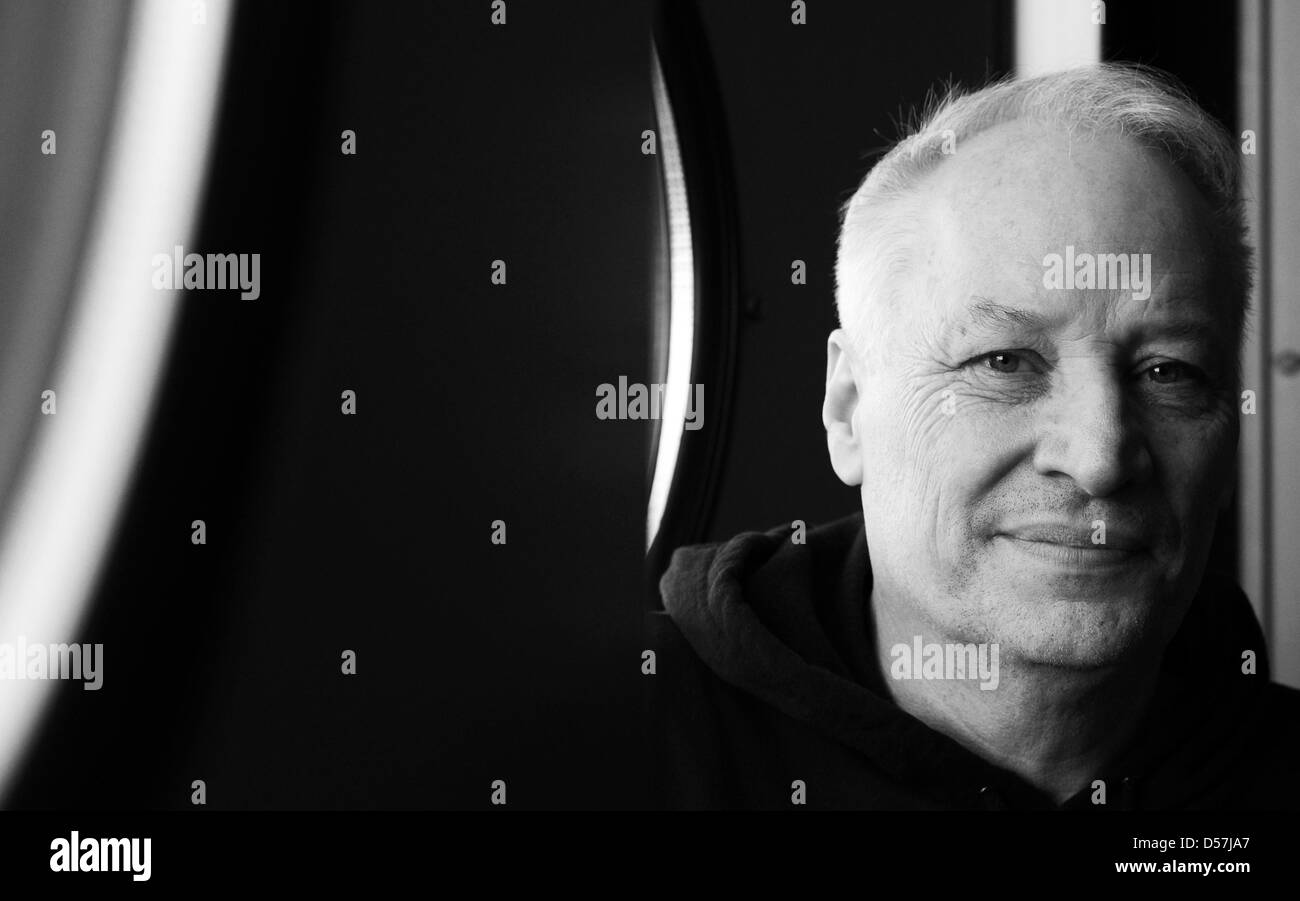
(1001, 361)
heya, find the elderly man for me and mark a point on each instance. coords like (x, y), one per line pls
(1042, 294)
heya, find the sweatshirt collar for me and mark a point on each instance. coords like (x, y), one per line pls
(789, 624)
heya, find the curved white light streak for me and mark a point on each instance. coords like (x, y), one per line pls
(681, 323)
(67, 501)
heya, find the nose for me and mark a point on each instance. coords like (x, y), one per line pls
(1091, 438)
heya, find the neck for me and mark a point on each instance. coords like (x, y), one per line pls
(1054, 727)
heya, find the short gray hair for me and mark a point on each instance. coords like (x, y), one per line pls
(1117, 98)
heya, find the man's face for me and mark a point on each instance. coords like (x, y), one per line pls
(994, 444)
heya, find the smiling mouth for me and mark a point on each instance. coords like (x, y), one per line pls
(1075, 555)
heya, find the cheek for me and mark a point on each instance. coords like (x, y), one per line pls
(903, 427)
(935, 452)
(972, 457)
(1197, 461)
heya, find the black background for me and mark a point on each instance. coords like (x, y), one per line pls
(475, 402)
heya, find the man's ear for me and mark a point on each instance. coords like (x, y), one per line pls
(838, 408)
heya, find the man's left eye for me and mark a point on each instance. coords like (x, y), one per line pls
(1170, 372)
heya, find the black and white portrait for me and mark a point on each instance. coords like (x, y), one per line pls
(1043, 290)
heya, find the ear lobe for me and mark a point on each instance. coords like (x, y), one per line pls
(838, 409)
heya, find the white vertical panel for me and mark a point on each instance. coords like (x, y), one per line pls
(1282, 404)
(1055, 34)
(1270, 440)
(1254, 530)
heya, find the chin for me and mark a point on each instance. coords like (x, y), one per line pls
(1082, 635)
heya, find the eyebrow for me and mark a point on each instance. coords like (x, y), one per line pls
(1196, 329)
(987, 314)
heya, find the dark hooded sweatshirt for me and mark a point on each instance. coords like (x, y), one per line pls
(766, 674)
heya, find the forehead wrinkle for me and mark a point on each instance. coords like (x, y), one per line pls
(949, 248)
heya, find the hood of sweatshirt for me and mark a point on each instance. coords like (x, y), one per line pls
(789, 624)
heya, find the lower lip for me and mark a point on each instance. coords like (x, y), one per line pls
(1070, 557)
